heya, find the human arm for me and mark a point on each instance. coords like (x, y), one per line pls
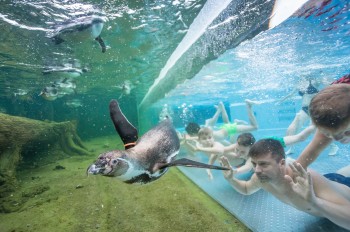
(245, 168)
(230, 150)
(318, 143)
(212, 159)
(253, 124)
(190, 146)
(189, 137)
(324, 201)
(217, 148)
(181, 137)
(244, 187)
(302, 136)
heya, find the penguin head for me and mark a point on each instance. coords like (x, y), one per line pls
(110, 163)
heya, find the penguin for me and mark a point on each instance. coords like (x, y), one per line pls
(49, 93)
(146, 159)
(80, 28)
(65, 86)
(69, 71)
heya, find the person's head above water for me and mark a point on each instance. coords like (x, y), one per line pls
(330, 112)
(192, 128)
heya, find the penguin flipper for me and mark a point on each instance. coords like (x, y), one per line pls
(190, 163)
(127, 132)
(102, 43)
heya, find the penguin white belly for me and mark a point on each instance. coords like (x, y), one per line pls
(78, 36)
(96, 29)
(140, 176)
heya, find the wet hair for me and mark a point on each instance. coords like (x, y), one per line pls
(205, 131)
(192, 128)
(330, 108)
(246, 139)
(267, 146)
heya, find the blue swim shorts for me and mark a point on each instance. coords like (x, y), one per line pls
(338, 178)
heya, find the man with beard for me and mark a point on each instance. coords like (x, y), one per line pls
(307, 191)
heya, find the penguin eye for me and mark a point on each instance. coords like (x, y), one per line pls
(114, 161)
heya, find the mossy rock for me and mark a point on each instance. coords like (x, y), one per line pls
(32, 143)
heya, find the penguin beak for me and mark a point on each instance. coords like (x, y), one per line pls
(93, 169)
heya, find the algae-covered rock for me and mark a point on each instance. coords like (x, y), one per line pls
(32, 143)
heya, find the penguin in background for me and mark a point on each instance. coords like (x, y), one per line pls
(80, 29)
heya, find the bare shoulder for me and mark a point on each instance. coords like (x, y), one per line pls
(327, 189)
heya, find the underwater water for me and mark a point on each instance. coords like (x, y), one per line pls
(43, 163)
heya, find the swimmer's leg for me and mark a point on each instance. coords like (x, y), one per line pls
(102, 43)
(126, 131)
(299, 120)
(224, 115)
(212, 121)
(251, 116)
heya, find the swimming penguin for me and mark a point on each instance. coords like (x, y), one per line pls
(65, 87)
(126, 88)
(49, 93)
(80, 29)
(146, 159)
(69, 71)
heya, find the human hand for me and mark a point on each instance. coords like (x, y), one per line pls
(301, 183)
(228, 174)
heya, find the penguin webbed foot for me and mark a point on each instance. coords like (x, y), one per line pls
(102, 43)
(57, 40)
